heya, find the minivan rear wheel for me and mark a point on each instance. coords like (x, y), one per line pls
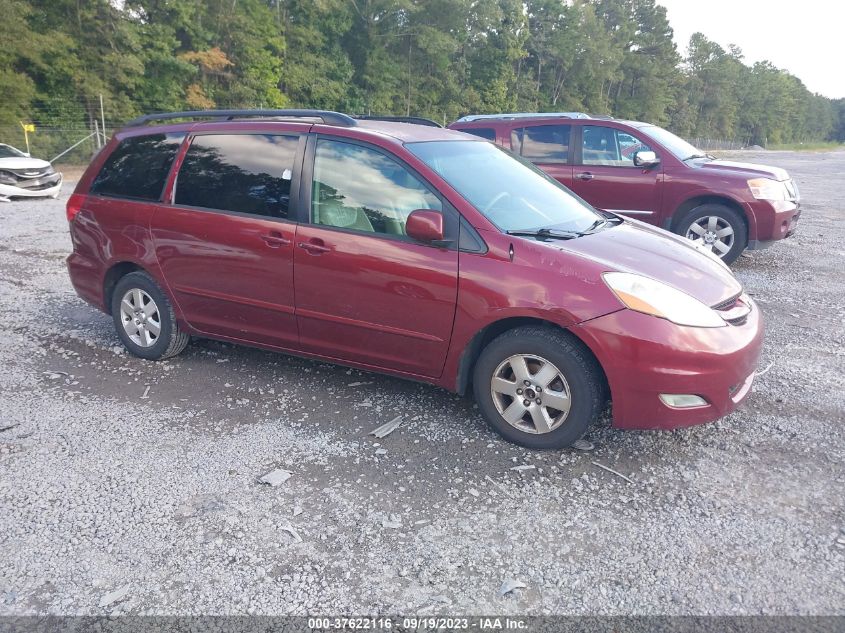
(538, 387)
(715, 227)
(144, 318)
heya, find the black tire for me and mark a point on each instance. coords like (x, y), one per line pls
(170, 340)
(726, 215)
(575, 363)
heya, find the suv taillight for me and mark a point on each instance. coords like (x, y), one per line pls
(74, 205)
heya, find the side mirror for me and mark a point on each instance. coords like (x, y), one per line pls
(425, 225)
(645, 158)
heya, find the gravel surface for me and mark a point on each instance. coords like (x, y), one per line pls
(129, 486)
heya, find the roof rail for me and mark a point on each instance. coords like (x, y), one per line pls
(527, 115)
(327, 116)
(416, 120)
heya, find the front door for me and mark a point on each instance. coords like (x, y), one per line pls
(365, 291)
(606, 177)
(225, 245)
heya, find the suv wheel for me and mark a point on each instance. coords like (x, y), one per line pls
(144, 318)
(715, 227)
(537, 387)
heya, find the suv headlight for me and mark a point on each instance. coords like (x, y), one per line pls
(649, 296)
(768, 189)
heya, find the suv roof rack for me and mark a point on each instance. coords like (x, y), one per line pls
(327, 116)
(416, 120)
(531, 115)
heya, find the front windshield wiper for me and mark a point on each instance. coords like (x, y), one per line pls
(691, 156)
(559, 234)
(594, 226)
(545, 234)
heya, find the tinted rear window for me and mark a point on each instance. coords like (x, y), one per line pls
(484, 132)
(138, 167)
(248, 173)
(542, 143)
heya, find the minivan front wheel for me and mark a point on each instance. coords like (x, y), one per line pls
(717, 228)
(144, 318)
(537, 387)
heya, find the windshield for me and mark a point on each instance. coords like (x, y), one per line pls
(7, 151)
(512, 194)
(675, 144)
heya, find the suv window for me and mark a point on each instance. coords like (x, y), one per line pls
(608, 146)
(247, 173)
(542, 143)
(484, 132)
(138, 167)
(364, 190)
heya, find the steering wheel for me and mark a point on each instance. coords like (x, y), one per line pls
(497, 198)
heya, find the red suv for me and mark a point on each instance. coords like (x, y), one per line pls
(642, 170)
(417, 251)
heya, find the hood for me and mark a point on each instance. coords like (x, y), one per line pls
(636, 247)
(746, 170)
(23, 163)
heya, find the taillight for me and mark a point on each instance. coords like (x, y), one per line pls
(74, 205)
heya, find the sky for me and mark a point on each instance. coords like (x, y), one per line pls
(805, 37)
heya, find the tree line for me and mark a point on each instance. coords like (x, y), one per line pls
(434, 58)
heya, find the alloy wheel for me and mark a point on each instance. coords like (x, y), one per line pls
(530, 393)
(140, 317)
(713, 233)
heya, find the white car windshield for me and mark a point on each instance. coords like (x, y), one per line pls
(513, 194)
(7, 151)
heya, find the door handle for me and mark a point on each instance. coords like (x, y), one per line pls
(315, 247)
(585, 175)
(274, 239)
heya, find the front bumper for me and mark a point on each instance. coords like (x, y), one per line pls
(773, 221)
(644, 356)
(43, 187)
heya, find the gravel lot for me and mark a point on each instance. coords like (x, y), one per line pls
(131, 487)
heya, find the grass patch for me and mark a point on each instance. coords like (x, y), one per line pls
(808, 147)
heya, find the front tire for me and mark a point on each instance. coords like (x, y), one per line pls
(538, 387)
(144, 318)
(715, 227)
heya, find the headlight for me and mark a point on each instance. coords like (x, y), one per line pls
(646, 295)
(8, 179)
(768, 189)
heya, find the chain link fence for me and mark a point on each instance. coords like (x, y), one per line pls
(708, 144)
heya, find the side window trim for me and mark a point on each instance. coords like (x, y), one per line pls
(450, 215)
(294, 211)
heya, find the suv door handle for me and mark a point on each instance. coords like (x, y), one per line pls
(584, 175)
(274, 239)
(315, 246)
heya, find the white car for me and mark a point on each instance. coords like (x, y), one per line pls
(22, 175)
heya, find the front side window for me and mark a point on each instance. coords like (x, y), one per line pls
(246, 173)
(138, 167)
(608, 146)
(542, 143)
(512, 193)
(361, 189)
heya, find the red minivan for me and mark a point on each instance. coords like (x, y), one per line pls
(641, 170)
(416, 251)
